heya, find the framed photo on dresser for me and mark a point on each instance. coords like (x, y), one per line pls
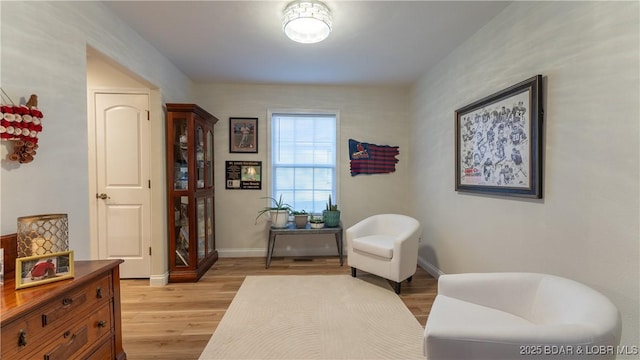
(42, 269)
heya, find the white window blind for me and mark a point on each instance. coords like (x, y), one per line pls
(303, 159)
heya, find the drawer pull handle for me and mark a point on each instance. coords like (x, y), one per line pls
(22, 338)
(68, 350)
(60, 313)
(99, 293)
(102, 323)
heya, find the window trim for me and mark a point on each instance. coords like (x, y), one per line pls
(296, 111)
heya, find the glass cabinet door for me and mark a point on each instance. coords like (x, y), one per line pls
(210, 228)
(201, 224)
(181, 228)
(209, 158)
(180, 155)
(200, 172)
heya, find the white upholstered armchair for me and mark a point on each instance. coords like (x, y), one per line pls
(492, 316)
(385, 245)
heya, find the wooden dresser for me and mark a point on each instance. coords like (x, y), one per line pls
(77, 318)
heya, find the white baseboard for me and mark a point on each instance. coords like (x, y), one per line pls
(261, 252)
(163, 279)
(232, 253)
(288, 251)
(159, 280)
(430, 268)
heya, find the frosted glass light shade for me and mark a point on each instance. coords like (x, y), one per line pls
(307, 21)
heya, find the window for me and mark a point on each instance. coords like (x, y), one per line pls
(303, 159)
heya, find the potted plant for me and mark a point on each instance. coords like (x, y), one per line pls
(279, 212)
(300, 217)
(316, 222)
(331, 215)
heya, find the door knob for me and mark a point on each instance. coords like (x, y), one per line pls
(102, 196)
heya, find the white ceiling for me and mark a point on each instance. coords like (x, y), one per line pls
(372, 43)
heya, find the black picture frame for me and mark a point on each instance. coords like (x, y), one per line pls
(243, 175)
(498, 142)
(243, 135)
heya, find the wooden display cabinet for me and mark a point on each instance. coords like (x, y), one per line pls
(191, 195)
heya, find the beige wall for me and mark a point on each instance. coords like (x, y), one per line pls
(587, 226)
(371, 114)
(44, 52)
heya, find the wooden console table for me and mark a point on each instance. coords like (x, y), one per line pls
(292, 230)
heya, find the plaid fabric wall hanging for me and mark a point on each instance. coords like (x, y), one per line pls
(371, 158)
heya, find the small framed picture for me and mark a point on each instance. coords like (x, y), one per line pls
(243, 135)
(244, 175)
(42, 269)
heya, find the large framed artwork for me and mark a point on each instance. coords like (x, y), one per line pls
(243, 135)
(498, 142)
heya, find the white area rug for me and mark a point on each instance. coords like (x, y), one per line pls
(316, 317)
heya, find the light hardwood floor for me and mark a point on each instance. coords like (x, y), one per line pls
(175, 322)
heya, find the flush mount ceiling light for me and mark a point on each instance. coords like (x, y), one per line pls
(307, 21)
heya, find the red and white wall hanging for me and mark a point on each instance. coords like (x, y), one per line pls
(20, 124)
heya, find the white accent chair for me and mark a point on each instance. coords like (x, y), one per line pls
(491, 316)
(385, 245)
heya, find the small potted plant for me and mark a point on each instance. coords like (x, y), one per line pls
(331, 215)
(279, 212)
(316, 222)
(300, 217)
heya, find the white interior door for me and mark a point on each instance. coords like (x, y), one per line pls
(123, 181)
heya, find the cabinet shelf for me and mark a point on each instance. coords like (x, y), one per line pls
(191, 192)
